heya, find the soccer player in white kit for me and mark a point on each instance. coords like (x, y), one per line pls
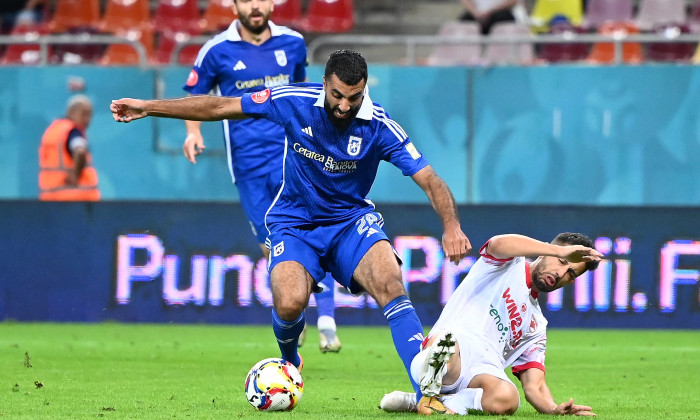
(492, 321)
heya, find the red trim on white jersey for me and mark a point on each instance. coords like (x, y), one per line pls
(517, 370)
(490, 258)
(528, 280)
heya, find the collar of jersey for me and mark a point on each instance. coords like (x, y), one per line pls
(233, 35)
(366, 109)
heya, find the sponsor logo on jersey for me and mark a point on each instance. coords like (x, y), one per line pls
(281, 57)
(354, 145)
(308, 131)
(239, 66)
(502, 328)
(514, 317)
(260, 97)
(267, 81)
(339, 166)
(192, 78)
(411, 149)
(329, 164)
(278, 249)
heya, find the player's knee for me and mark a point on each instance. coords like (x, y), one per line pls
(388, 289)
(502, 400)
(289, 308)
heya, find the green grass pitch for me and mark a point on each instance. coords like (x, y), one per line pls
(116, 371)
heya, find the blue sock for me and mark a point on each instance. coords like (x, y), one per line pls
(287, 334)
(325, 301)
(407, 332)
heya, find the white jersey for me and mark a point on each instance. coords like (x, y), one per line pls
(494, 305)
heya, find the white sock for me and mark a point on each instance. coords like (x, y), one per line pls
(326, 322)
(467, 398)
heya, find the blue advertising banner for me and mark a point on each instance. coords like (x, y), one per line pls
(198, 263)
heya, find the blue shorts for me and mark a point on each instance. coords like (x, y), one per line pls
(256, 196)
(336, 249)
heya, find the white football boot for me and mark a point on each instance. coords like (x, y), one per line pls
(435, 367)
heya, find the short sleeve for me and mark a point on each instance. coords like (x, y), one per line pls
(532, 357)
(261, 105)
(203, 76)
(398, 148)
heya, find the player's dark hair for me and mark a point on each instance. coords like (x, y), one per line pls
(348, 65)
(570, 238)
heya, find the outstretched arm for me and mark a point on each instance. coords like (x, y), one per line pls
(538, 395)
(195, 108)
(511, 245)
(454, 242)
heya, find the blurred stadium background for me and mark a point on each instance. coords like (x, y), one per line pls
(578, 116)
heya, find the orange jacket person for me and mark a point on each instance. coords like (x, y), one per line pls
(65, 164)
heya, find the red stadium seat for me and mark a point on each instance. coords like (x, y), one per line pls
(563, 52)
(604, 52)
(217, 16)
(28, 54)
(287, 12)
(670, 51)
(177, 15)
(125, 54)
(328, 16)
(166, 44)
(123, 15)
(70, 14)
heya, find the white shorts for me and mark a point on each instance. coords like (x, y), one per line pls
(477, 358)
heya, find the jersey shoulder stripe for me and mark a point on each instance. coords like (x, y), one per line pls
(293, 90)
(380, 115)
(284, 30)
(218, 39)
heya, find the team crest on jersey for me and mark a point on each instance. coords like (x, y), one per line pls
(354, 145)
(260, 97)
(192, 78)
(281, 57)
(278, 249)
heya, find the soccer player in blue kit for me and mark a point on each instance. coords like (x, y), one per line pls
(321, 220)
(251, 55)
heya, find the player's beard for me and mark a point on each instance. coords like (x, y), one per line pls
(341, 123)
(540, 283)
(256, 30)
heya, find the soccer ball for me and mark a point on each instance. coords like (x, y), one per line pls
(274, 385)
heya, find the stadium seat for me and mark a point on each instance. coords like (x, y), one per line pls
(27, 54)
(217, 16)
(78, 53)
(601, 11)
(546, 11)
(509, 53)
(653, 13)
(563, 52)
(123, 15)
(177, 16)
(70, 14)
(457, 54)
(166, 44)
(125, 54)
(329, 16)
(287, 12)
(604, 52)
(694, 17)
(670, 51)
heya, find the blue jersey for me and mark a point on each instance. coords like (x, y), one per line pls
(231, 67)
(328, 172)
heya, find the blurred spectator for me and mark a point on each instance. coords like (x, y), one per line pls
(65, 164)
(487, 12)
(20, 11)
